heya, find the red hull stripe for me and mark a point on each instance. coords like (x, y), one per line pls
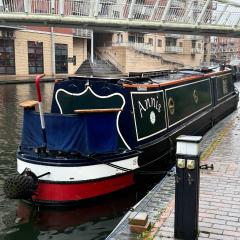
(63, 192)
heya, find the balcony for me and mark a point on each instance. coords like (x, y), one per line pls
(171, 35)
(173, 49)
(196, 50)
(193, 37)
(135, 45)
(83, 33)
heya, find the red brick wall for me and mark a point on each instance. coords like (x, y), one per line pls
(48, 29)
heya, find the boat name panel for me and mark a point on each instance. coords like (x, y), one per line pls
(149, 113)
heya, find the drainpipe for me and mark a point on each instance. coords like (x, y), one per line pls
(92, 44)
(155, 43)
(53, 51)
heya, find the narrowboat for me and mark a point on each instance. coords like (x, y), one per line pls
(102, 132)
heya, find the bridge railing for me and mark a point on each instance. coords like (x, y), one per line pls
(215, 12)
(12, 6)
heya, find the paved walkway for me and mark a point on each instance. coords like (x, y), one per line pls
(219, 210)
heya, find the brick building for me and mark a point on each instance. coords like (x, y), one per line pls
(224, 49)
(131, 51)
(33, 50)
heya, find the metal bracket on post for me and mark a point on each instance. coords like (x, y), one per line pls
(187, 187)
(206, 166)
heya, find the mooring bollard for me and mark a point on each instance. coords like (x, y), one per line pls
(187, 187)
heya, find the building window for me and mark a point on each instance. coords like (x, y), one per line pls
(7, 56)
(193, 43)
(159, 43)
(180, 44)
(140, 39)
(171, 42)
(131, 38)
(61, 58)
(150, 41)
(35, 57)
(199, 45)
(74, 60)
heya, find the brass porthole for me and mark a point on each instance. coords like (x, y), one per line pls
(195, 96)
(171, 106)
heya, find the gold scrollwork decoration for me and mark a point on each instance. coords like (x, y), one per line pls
(171, 106)
(195, 96)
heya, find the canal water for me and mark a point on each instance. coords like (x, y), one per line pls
(18, 221)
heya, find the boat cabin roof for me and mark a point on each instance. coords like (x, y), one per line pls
(157, 78)
(175, 76)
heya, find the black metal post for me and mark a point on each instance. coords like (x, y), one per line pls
(187, 188)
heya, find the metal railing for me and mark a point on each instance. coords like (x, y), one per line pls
(221, 13)
(12, 6)
(196, 50)
(173, 49)
(83, 33)
(171, 35)
(135, 45)
(148, 47)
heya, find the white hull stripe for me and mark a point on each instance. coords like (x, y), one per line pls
(81, 173)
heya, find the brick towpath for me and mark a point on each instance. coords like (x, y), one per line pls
(219, 210)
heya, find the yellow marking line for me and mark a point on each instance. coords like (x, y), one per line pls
(210, 149)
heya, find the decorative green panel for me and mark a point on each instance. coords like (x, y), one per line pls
(187, 99)
(149, 113)
(224, 85)
(68, 102)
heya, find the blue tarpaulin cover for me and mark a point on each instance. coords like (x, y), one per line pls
(83, 133)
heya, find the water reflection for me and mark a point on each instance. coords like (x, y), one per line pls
(10, 129)
(92, 220)
(87, 221)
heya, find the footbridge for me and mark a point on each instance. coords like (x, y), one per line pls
(214, 17)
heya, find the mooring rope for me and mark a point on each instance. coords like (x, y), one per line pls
(138, 171)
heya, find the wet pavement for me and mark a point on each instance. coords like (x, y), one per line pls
(219, 209)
